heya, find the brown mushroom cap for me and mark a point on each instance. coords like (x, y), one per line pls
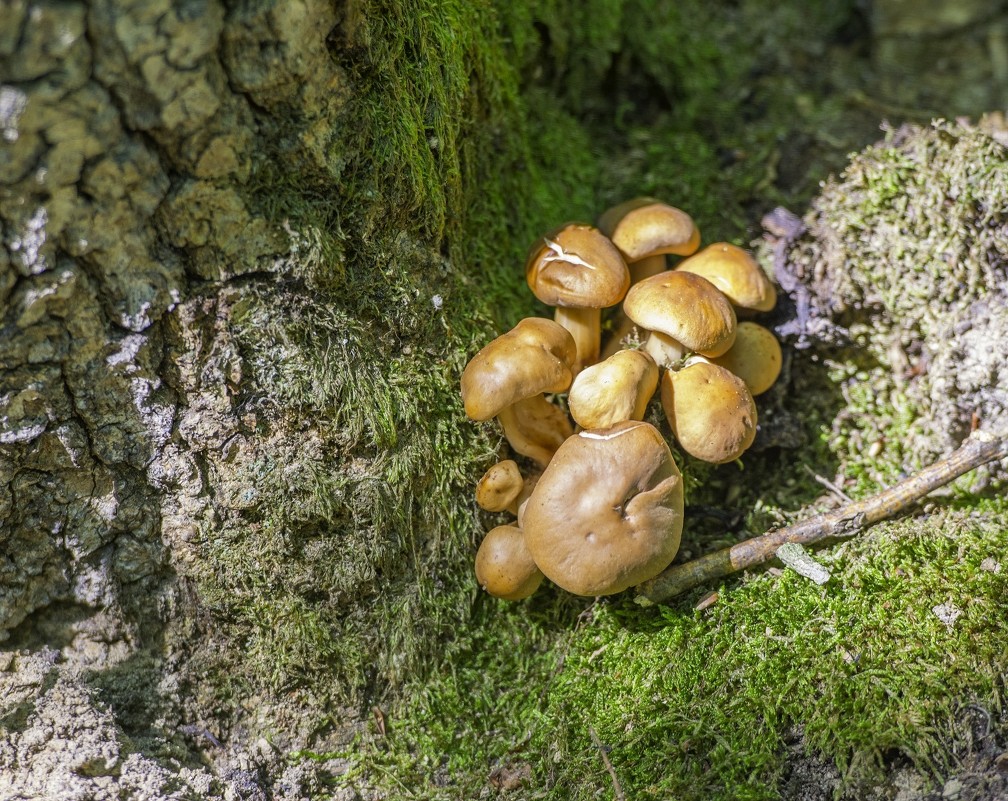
(684, 307)
(504, 566)
(736, 273)
(645, 227)
(533, 357)
(711, 412)
(607, 512)
(755, 357)
(577, 266)
(613, 390)
(499, 486)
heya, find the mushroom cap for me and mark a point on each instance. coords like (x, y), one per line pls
(614, 390)
(711, 412)
(755, 357)
(577, 266)
(504, 566)
(736, 273)
(607, 512)
(533, 357)
(645, 227)
(499, 486)
(685, 307)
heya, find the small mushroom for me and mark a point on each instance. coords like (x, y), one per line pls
(579, 271)
(499, 486)
(684, 312)
(607, 512)
(645, 230)
(710, 410)
(755, 357)
(506, 380)
(736, 273)
(504, 566)
(614, 390)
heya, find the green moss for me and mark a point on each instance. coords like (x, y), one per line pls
(923, 212)
(702, 705)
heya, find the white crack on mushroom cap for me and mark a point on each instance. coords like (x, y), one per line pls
(579, 271)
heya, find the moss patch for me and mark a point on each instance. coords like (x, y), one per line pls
(701, 705)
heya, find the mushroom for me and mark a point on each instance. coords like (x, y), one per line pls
(711, 412)
(506, 380)
(607, 512)
(644, 230)
(684, 312)
(736, 273)
(577, 269)
(500, 486)
(504, 566)
(613, 390)
(755, 357)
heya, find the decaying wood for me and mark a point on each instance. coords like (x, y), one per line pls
(978, 449)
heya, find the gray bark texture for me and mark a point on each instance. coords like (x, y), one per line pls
(128, 134)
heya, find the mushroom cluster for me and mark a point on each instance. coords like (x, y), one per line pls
(600, 505)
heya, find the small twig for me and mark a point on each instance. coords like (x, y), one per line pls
(843, 496)
(979, 448)
(617, 788)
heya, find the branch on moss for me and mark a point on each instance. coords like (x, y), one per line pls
(978, 449)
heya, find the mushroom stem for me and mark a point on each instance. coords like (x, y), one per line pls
(646, 267)
(666, 352)
(978, 449)
(585, 325)
(535, 428)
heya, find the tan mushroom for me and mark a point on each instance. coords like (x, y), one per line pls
(684, 312)
(711, 412)
(506, 380)
(755, 357)
(614, 390)
(504, 566)
(736, 273)
(607, 513)
(579, 271)
(645, 230)
(499, 486)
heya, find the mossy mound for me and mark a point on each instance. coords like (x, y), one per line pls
(908, 248)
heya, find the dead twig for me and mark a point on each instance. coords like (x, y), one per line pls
(617, 788)
(979, 448)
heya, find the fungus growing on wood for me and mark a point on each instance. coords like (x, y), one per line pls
(645, 230)
(504, 566)
(710, 410)
(755, 357)
(508, 377)
(736, 273)
(614, 390)
(499, 486)
(579, 271)
(607, 513)
(684, 312)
